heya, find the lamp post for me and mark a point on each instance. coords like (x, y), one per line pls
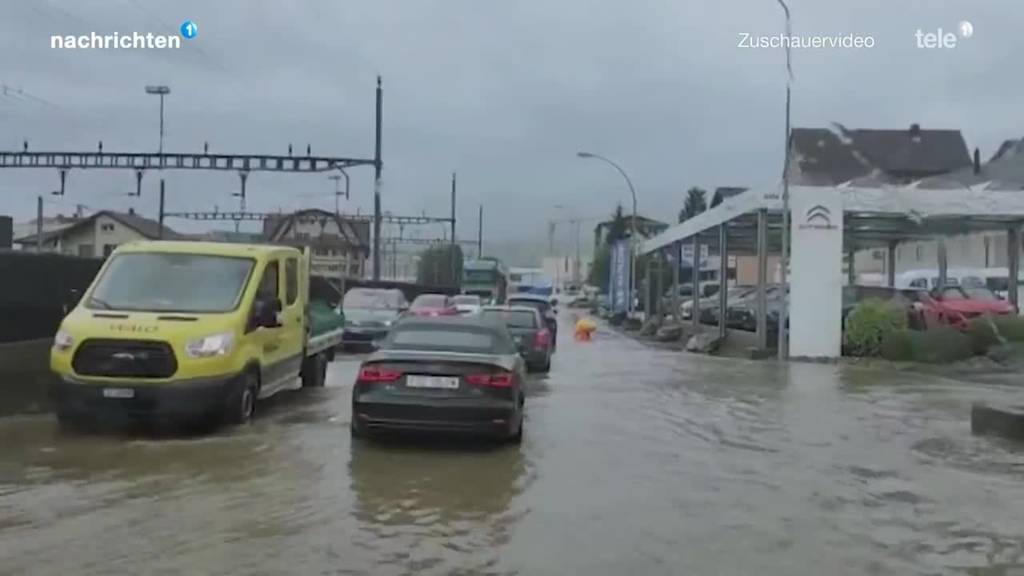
(783, 347)
(632, 231)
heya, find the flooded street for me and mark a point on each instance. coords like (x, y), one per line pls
(636, 461)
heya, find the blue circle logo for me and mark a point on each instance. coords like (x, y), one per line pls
(189, 29)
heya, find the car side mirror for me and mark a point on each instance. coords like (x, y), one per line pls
(265, 313)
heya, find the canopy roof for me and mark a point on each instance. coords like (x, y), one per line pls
(873, 217)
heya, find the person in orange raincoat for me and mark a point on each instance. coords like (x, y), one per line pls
(585, 328)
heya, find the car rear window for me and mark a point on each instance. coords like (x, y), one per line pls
(513, 318)
(536, 304)
(448, 338)
(430, 301)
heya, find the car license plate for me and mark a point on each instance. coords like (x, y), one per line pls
(118, 393)
(443, 382)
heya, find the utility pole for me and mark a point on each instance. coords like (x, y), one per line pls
(577, 276)
(39, 223)
(480, 233)
(160, 232)
(451, 251)
(378, 167)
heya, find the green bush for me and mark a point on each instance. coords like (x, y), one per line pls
(983, 334)
(897, 346)
(938, 346)
(1010, 327)
(869, 323)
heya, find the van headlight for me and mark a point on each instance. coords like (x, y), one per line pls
(63, 341)
(212, 345)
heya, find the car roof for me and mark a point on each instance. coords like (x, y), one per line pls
(508, 308)
(445, 322)
(534, 297)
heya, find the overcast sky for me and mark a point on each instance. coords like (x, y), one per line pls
(505, 93)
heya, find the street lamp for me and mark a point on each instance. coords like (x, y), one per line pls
(160, 91)
(632, 232)
(783, 347)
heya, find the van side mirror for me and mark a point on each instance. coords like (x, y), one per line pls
(74, 295)
(265, 312)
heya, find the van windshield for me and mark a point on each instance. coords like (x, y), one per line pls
(168, 282)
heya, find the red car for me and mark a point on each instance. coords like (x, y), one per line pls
(955, 305)
(433, 305)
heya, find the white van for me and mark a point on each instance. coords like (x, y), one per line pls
(929, 279)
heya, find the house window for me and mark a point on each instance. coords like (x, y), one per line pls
(878, 255)
(108, 249)
(85, 250)
(107, 227)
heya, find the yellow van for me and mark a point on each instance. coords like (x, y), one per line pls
(172, 330)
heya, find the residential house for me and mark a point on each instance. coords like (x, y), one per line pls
(880, 158)
(340, 246)
(50, 223)
(99, 234)
(645, 227)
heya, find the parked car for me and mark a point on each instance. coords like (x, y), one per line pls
(542, 305)
(432, 305)
(528, 330)
(732, 294)
(956, 305)
(451, 374)
(468, 303)
(929, 279)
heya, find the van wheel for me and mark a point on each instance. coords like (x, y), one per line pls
(314, 371)
(242, 404)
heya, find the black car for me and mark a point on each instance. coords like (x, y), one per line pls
(369, 315)
(542, 305)
(528, 330)
(446, 374)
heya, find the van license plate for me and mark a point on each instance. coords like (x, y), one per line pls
(118, 393)
(443, 382)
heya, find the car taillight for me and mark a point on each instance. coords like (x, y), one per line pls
(499, 380)
(542, 339)
(373, 374)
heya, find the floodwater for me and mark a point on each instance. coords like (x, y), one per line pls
(636, 461)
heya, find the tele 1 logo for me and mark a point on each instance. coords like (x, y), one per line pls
(942, 39)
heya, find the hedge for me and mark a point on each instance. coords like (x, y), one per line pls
(869, 323)
(938, 346)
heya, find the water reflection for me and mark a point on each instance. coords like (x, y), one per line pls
(421, 502)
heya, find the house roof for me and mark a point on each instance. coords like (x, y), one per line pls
(828, 157)
(1004, 172)
(144, 226)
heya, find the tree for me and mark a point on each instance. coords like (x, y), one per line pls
(617, 227)
(696, 202)
(600, 269)
(440, 266)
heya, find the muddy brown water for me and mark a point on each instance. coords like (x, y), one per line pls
(636, 461)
